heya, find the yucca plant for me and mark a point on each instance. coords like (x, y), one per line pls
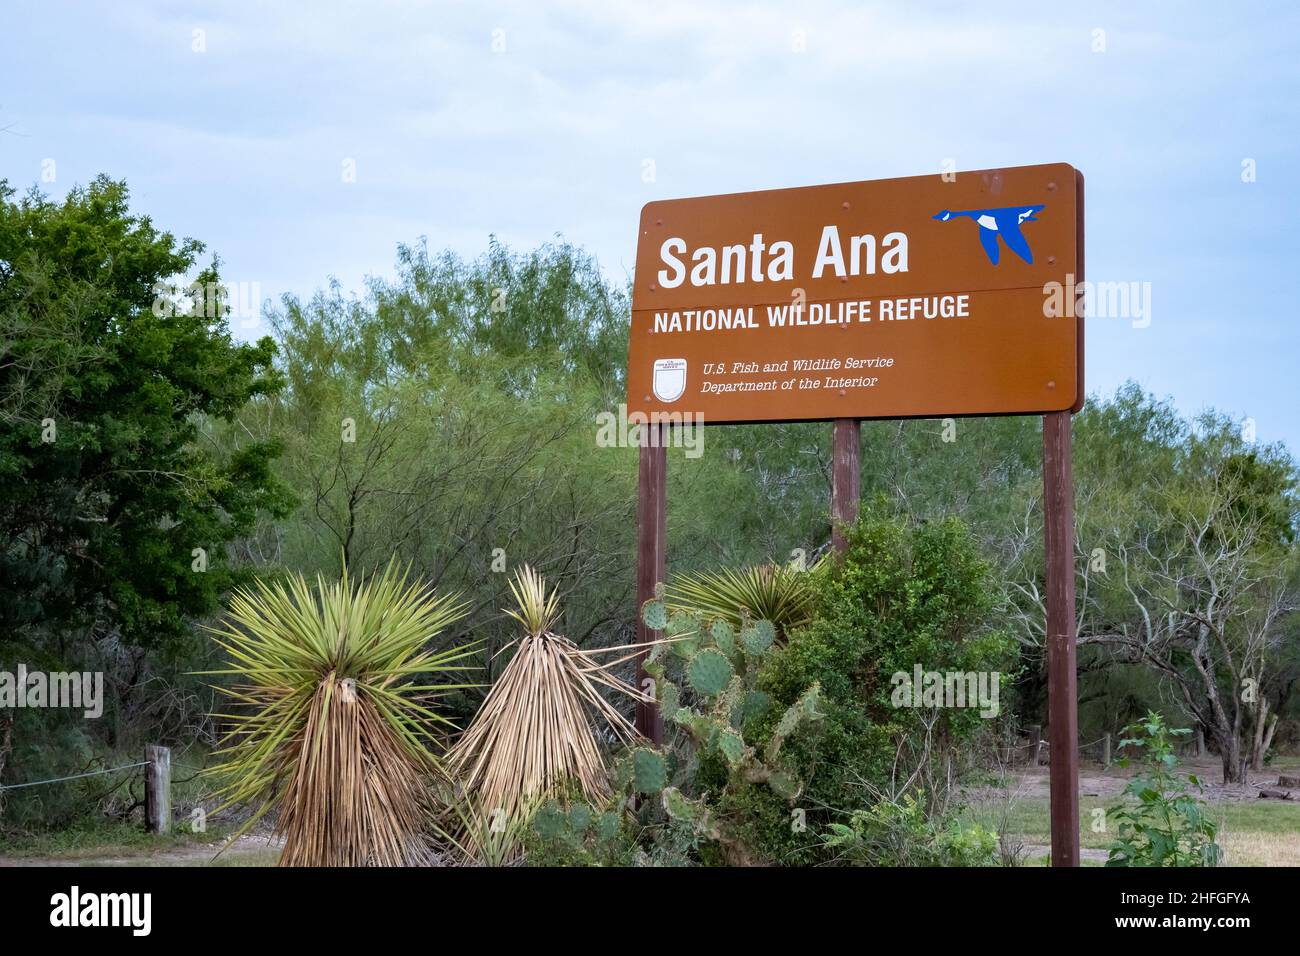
(492, 839)
(333, 729)
(767, 592)
(537, 728)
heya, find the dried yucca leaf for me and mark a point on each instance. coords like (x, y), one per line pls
(537, 728)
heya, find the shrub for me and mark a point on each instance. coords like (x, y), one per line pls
(1163, 823)
(901, 834)
(903, 594)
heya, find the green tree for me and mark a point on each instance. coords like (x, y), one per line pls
(109, 485)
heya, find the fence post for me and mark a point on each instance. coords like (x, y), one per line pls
(158, 789)
(1105, 750)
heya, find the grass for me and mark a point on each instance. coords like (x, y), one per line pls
(1251, 832)
(88, 840)
(91, 838)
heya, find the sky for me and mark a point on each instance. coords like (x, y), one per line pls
(302, 141)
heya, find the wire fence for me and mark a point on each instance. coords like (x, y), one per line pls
(74, 776)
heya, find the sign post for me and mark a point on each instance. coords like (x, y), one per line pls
(651, 554)
(1062, 674)
(925, 297)
(846, 488)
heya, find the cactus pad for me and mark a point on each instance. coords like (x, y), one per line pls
(649, 770)
(579, 817)
(732, 747)
(677, 806)
(655, 615)
(549, 822)
(758, 636)
(608, 825)
(753, 705)
(723, 636)
(709, 672)
(669, 698)
(784, 784)
(682, 624)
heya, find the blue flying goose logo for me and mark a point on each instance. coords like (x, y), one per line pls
(1000, 222)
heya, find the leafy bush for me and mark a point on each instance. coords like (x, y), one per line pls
(903, 594)
(1164, 822)
(901, 834)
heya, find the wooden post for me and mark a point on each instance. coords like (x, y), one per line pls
(1062, 676)
(1105, 750)
(651, 555)
(846, 486)
(158, 789)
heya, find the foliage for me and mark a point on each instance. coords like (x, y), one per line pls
(1188, 571)
(902, 834)
(331, 727)
(780, 735)
(108, 483)
(904, 593)
(777, 593)
(483, 837)
(721, 668)
(469, 392)
(704, 675)
(1164, 822)
(446, 417)
(570, 832)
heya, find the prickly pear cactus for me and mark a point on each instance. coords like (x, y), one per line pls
(724, 638)
(732, 746)
(550, 821)
(578, 834)
(709, 672)
(714, 666)
(669, 699)
(649, 770)
(757, 637)
(693, 812)
(579, 817)
(677, 806)
(655, 614)
(804, 710)
(608, 825)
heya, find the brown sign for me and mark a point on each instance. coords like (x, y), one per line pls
(921, 297)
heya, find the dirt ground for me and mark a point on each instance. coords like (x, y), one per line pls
(246, 851)
(1098, 781)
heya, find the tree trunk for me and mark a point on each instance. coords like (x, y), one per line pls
(1234, 768)
(1263, 739)
(1256, 759)
(6, 740)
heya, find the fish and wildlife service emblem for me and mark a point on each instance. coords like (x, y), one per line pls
(669, 381)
